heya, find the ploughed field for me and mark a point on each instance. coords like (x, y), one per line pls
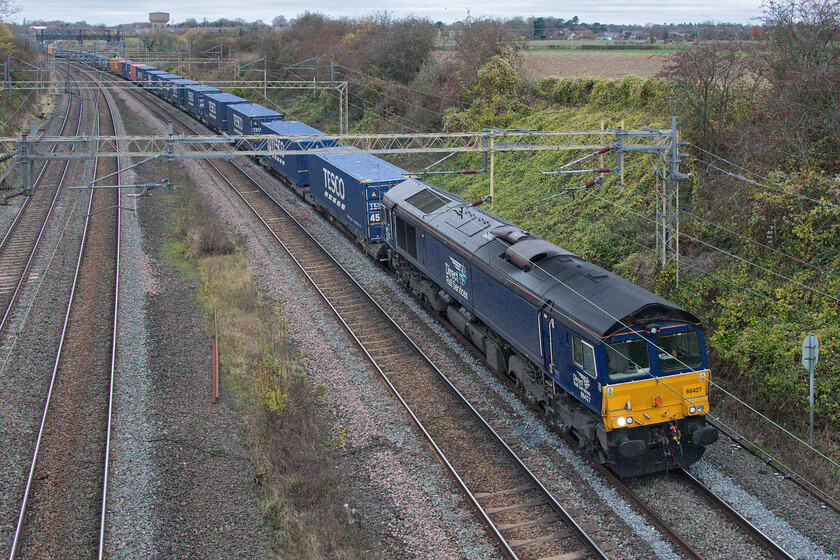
(575, 64)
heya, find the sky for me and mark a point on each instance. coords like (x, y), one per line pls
(638, 12)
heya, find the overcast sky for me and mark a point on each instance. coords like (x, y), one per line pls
(589, 11)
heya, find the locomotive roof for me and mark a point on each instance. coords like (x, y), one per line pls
(586, 298)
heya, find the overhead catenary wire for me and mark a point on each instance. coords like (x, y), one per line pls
(386, 96)
(22, 104)
(429, 94)
(775, 302)
(331, 94)
(757, 183)
(762, 245)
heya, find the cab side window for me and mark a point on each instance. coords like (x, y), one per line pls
(583, 354)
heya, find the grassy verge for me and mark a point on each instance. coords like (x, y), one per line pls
(292, 446)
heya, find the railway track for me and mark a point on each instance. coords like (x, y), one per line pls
(692, 545)
(62, 513)
(519, 512)
(22, 239)
(505, 506)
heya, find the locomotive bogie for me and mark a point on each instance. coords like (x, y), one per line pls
(527, 305)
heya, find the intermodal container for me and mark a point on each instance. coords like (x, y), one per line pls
(115, 65)
(100, 62)
(350, 186)
(195, 98)
(245, 118)
(143, 73)
(125, 69)
(166, 86)
(293, 166)
(152, 79)
(133, 69)
(178, 95)
(216, 108)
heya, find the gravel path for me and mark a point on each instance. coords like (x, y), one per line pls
(404, 500)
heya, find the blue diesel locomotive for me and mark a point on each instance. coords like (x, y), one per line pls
(621, 368)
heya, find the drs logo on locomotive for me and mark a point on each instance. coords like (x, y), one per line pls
(456, 277)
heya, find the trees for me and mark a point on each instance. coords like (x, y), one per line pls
(802, 66)
(479, 40)
(7, 9)
(712, 83)
(408, 45)
(780, 103)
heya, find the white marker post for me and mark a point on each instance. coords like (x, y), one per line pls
(810, 356)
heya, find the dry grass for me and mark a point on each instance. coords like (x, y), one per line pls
(586, 63)
(290, 441)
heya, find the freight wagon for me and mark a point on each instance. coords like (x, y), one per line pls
(134, 71)
(194, 100)
(294, 167)
(245, 119)
(216, 109)
(350, 186)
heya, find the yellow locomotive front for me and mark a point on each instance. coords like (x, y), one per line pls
(655, 395)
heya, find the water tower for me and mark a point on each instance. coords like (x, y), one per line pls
(158, 20)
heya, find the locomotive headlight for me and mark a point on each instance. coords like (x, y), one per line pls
(621, 422)
(629, 420)
(700, 408)
(692, 409)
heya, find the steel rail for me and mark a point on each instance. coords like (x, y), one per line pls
(115, 323)
(776, 550)
(41, 172)
(507, 550)
(765, 541)
(29, 480)
(25, 501)
(818, 493)
(654, 518)
(498, 440)
(26, 204)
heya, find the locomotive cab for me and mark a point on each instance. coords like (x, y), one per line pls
(655, 381)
